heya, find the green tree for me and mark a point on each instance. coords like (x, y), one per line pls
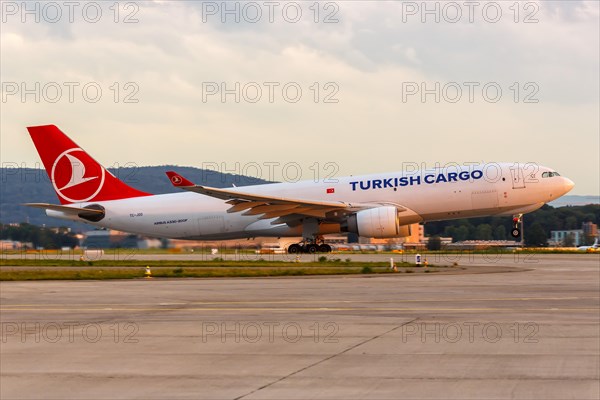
(536, 235)
(484, 232)
(569, 240)
(450, 231)
(500, 232)
(39, 236)
(461, 233)
(587, 240)
(434, 243)
(571, 222)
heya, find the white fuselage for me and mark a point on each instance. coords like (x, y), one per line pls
(498, 189)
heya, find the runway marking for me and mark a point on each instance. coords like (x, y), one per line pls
(325, 359)
(287, 309)
(317, 301)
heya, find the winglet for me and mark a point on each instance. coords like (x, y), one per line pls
(178, 180)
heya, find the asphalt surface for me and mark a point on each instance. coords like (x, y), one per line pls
(529, 334)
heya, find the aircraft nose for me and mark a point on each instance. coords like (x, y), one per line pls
(568, 184)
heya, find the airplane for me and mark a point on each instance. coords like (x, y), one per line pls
(375, 205)
(593, 247)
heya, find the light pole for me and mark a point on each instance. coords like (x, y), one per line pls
(523, 231)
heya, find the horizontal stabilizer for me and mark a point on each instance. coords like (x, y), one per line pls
(88, 213)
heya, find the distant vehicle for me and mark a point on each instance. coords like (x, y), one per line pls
(377, 205)
(593, 247)
(341, 247)
(271, 248)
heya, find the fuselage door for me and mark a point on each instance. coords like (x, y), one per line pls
(211, 224)
(518, 179)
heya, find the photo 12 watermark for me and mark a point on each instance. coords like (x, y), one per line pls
(12, 172)
(53, 12)
(70, 92)
(470, 332)
(270, 171)
(452, 12)
(270, 92)
(254, 12)
(469, 92)
(69, 332)
(269, 331)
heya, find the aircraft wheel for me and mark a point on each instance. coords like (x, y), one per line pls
(515, 233)
(294, 249)
(312, 248)
(325, 248)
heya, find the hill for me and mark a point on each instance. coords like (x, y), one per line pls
(30, 185)
(575, 200)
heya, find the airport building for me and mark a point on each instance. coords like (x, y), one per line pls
(557, 238)
(110, 239)
(590, 230)
(586, 234)
(7, 245)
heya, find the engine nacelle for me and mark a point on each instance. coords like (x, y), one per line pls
(381, 222)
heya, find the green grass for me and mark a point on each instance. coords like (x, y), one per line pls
(178, 272)
(215, 262)
(131, 269)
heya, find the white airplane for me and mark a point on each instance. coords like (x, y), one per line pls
(377, 205)
(593, 247)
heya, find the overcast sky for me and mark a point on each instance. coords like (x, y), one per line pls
(337, 83)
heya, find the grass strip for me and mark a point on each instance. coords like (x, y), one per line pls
(221, 270)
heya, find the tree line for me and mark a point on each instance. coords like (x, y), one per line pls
(537, 227)
(48, 238)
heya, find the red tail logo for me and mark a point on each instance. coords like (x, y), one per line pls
(75, 175)
(176, 179)
(74, 179)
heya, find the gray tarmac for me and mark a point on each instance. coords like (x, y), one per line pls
(532, 332)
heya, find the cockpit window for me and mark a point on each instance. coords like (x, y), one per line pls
(549, 174)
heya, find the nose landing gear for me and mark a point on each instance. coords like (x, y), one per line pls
(517, 220)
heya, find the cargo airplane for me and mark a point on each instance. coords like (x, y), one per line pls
(377, 205)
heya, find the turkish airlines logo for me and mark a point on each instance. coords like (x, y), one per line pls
(76, 177)
(176, 179)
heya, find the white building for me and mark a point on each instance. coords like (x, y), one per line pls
(558, 237)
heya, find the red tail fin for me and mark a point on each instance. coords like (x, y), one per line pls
(75, 175)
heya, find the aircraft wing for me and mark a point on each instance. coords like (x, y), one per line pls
(282, 209)
(285, 209)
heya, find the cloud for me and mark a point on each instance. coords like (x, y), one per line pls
(366, 58)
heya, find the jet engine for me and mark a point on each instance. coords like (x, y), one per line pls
(381, 222)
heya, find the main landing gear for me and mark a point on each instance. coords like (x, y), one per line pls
(311, 242)
(517, 219)
(310, 247)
